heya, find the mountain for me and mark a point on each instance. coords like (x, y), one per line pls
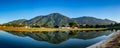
(20, 21)
(59, 19)
(51, 20)
(92, 21)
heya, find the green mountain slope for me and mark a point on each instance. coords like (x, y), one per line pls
(93, 21)
(59, 19)
(51, 20)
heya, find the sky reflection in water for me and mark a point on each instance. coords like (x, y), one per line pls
(70, 39)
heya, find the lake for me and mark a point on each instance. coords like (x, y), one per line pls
(58, 39)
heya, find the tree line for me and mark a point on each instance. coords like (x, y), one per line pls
(72, 24)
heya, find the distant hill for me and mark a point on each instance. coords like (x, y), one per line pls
(59, 19)
(93, 21)
(20, 21)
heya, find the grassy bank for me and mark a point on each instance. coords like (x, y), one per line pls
(22, 29)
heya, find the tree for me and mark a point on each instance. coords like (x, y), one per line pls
(1, 25)
(45, 25)
(97, 26)
(56, 26)
(36, 26)
(63, 26)
(73, 24)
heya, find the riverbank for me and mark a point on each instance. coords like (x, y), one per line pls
(112, 42)
(23, 29)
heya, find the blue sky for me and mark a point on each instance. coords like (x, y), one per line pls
(27, 9)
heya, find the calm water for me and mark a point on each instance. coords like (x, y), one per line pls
(59, 39)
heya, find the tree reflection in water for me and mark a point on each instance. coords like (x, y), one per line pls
(61, 36)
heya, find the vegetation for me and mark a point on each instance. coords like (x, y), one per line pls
(23, 29)
(14, 25)
(59, 20)
(114, 26)
(45, 25)
(35, 26)
(56, 26)
(73, 24)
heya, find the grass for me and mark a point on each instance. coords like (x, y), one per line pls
(23, 29)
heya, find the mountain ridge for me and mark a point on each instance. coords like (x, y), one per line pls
(59, 19)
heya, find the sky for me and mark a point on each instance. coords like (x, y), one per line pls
(26, 9)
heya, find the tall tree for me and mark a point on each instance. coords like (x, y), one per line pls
(56, 26)
(73, 24)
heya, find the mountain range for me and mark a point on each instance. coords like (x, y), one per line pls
(59, 19)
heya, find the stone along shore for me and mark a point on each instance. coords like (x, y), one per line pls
(112, 42)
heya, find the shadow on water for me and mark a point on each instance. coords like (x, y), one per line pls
(63, 39)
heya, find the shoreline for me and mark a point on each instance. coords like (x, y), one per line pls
(23, 29)
(107, 43)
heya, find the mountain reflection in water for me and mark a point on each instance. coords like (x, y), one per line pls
(60, 39)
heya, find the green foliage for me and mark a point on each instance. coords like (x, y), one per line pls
(92, 21)
(45, 25)
(114, 26)
(35, 26)
(14, 25)
(20, 21)
(56, 26)
(73, 24)
(92, 26)
(59, 19)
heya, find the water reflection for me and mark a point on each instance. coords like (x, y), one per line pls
(59, 39)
